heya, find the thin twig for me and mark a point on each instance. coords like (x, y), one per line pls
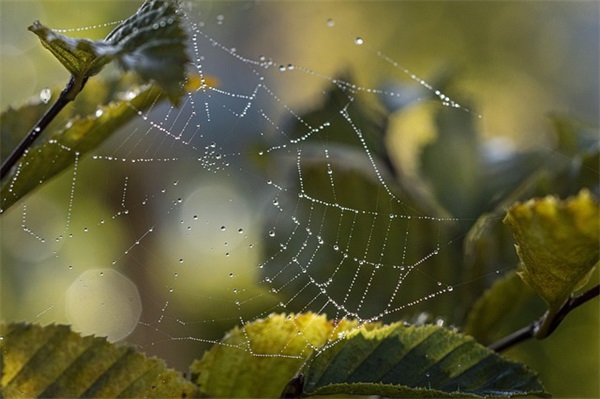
(529, 331)
(66, 96)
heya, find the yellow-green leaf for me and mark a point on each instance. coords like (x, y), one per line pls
(54, 362)
(558, 244)
(78, 136)
(258, 359)
(81, 57)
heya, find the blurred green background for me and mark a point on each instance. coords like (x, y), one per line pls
(512, 63)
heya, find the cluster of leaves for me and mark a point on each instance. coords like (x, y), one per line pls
(306, 354)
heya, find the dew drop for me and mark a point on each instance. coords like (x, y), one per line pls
(271, 233)
(330, 23)
(222, 228)
(45, 95)
(358, 41)
(450, 288)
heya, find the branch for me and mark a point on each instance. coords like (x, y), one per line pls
(530, 331)
(66, 96)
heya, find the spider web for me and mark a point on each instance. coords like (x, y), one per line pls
(266, 191)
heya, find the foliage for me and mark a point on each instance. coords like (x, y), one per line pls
(557, 245)
(306, 354)
(54, 362)
(151, 43)
(69, 142)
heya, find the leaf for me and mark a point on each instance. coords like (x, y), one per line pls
(557, 242)
(496, 312)
(70, 132)
(411, 361)
(258, 359)
(152, 43)
(81, 57)
(65, 146)
(457, 144)
(54, 362)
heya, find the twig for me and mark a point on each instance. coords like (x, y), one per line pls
(69, 93)
(530, 331)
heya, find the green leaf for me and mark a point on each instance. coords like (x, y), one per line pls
(68, 143)
(557, 242)
(81, 57)
(260, 358)
(152, 43)
(496, 313)
(54, 362)
(457, 144)
(416, 361)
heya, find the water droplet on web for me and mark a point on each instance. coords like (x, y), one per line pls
(271, 233)
(450, 288)
(358, 41)
(222, 228)
(99, 113)
(181, 260)
(45, 95)
(241, 231)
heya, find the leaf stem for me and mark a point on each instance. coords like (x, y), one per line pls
(530, 331)
(69, 93)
